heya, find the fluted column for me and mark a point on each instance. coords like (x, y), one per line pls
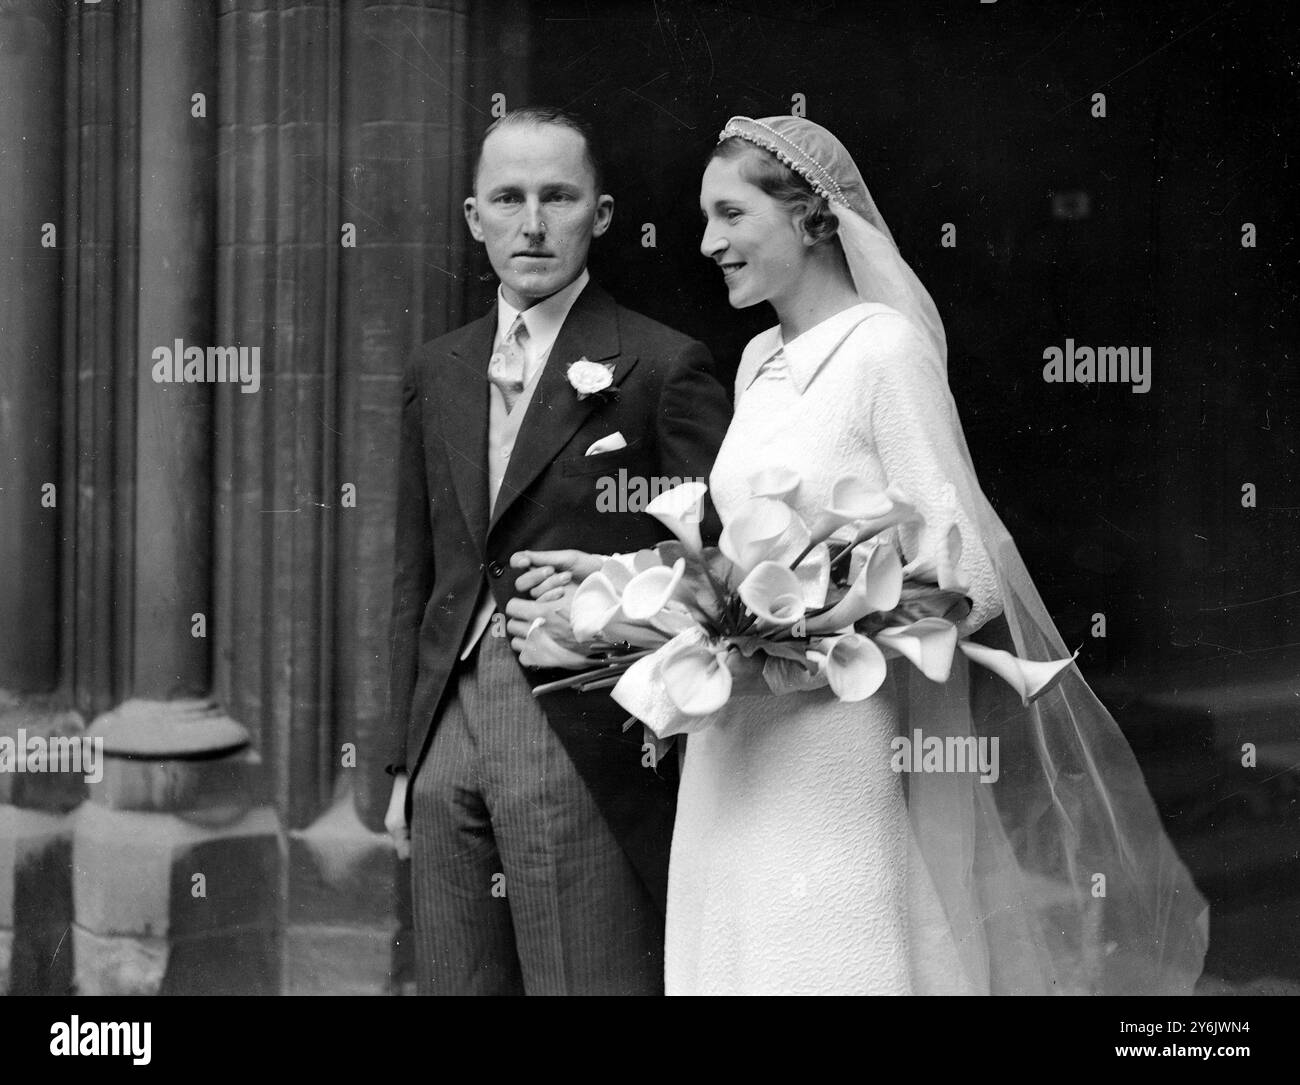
(172, 559)
(409, 124)
(35, 838)
(277, 291)
(31, 240)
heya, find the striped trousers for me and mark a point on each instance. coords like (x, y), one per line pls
(519, 887)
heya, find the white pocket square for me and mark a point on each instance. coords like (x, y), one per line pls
(610, 443)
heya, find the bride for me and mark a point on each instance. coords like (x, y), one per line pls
(801, 862)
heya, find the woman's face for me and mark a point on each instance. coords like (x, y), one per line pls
(755, 240)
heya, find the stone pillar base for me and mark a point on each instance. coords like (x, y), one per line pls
(341, 919)
(35, 902)
(36, 852)
(244, 962)
(177, 862)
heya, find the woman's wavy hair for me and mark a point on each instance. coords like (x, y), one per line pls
(773, 177)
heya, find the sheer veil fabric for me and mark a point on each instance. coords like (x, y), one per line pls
(1058, 877)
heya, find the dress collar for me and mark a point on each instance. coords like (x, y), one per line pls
(804, 355)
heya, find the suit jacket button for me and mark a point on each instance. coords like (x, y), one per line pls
(495, 569)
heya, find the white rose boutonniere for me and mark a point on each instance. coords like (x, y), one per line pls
(591, 378)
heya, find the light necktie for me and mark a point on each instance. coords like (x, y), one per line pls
(506, 369)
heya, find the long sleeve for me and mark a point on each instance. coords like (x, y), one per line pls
(693, 416)
(412, 568)
(914, 425)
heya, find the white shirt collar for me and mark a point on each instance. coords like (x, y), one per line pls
(805, 353)
(543, 321)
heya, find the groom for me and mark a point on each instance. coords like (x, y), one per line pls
(538, 829)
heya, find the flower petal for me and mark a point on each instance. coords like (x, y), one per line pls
(814, 574)
(778, 482)
(855, 667)
(649, 591)
(928, 644)
(696, 680)
(618, 571)
(773, 594)
(595, 603)
(901, 511)
(851, 499)
(1029, 678)
(876, 589)
(672, 621)
(763, 529)
(680, 510)
(642, 693)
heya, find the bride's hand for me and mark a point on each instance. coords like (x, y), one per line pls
(547, 572)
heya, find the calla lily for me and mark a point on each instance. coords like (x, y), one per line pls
(649, 591)
(787, 676)
(763, 529)
(673, 619)
(680, 511)
(901, 511)
(778, 482)
(542, 650)
(942, 563)
(618, 571)
(773, 594)
(876, 589)
(696, 677)
(596, 602)
(1030, 678)
(929, 644)
(814, 573)
(620, 568)
(879, 559)
(851, 499)
(855, 667)
(642, 691)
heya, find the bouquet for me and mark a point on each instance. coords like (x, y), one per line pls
(780, 606)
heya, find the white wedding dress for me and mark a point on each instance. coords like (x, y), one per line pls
(793, 869)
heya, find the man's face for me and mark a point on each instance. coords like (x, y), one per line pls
(536, 208)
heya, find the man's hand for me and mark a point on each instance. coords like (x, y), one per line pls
(548, 572)
(395, 818)
(521, 613)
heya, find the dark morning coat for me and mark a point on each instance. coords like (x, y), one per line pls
(673, 414)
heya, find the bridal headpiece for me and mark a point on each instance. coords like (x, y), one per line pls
(802, 159)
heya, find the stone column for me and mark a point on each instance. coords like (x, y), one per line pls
(35, 843)
(31, 240)
(173, 517)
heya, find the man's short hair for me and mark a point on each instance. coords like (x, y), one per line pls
(542, 114)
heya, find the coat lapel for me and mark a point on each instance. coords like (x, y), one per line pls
(462, 387)
(555, 413)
